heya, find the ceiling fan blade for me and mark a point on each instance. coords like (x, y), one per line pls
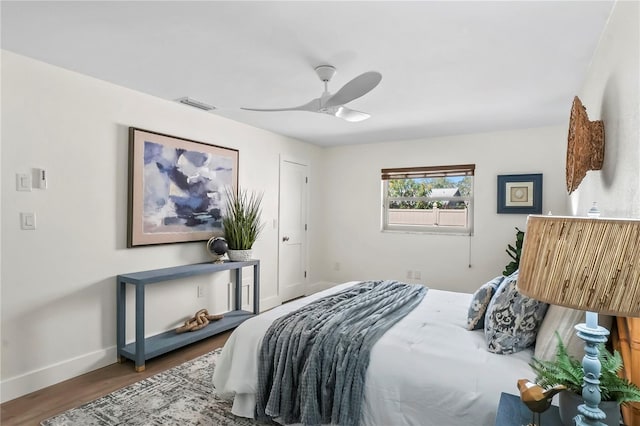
(357, 87)
(313, 106)
(351, 115)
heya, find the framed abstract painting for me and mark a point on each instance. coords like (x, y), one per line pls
(176, 188)
(520, 194)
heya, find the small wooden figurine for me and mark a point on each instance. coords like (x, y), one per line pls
(536, 398)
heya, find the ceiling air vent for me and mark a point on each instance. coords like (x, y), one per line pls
(196, 104)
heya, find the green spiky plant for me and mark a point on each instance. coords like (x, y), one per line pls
(242, 219)
(514, 253)
(566, 370)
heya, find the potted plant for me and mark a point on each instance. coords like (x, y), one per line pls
(567, 370)
(514, 253)
(241, 223)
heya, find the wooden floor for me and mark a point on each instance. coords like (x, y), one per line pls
(31, 409)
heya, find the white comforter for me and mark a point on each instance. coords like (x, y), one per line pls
(427, 370)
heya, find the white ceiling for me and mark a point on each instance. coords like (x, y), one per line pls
(448, 67)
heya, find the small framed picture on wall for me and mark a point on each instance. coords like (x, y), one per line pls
(520, 194)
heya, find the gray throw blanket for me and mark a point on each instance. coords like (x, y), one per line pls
(313, 361)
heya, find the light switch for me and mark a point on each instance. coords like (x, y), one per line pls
(23, 181)
(28, 221)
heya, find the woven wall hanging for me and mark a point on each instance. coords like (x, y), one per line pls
(585, 146)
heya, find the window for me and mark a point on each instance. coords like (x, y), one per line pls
(428, 199)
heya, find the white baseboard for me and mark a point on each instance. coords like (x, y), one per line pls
(319, 286)
(269, 303)
(273, 301)
(32, 381)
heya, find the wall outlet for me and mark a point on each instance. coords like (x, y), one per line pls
(417, 275)
(201, 291)
(28, 221)
(409, 275)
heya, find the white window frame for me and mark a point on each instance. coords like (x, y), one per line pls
(427, 172)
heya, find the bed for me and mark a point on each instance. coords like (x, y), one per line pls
(428, 369)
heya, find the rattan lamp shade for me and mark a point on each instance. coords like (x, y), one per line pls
(583, 263)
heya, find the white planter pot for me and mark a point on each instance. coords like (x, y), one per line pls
(239, 255)
(568, 403)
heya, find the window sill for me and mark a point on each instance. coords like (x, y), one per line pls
(465, 233)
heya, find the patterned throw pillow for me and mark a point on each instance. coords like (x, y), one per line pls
(512, 319)
(480, 302)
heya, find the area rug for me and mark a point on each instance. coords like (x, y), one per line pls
(182, 395)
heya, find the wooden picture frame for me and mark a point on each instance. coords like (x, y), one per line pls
(520, 194)
(176, 188)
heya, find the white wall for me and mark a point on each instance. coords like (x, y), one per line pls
(58, 282)
(611, 92)
(352, 202)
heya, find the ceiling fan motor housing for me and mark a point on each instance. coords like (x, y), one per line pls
(325, 72)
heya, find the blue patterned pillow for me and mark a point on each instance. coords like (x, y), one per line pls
(480, 302)
(512, 320)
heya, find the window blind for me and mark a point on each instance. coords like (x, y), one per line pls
(428, 172)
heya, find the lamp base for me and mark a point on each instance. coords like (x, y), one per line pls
(593, 335)
(580, 420)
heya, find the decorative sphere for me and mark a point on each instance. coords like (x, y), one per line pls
(218, 245)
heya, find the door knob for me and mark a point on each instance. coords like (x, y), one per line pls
(285, 239)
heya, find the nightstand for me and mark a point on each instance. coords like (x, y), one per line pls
(512, 412)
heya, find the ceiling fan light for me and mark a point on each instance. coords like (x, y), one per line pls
(351, 115)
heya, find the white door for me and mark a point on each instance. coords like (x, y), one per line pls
(292, 240)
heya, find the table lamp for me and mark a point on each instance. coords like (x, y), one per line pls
(590, 264)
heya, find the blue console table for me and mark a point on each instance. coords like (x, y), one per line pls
(145, 348)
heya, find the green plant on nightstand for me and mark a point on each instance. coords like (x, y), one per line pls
(567, 370)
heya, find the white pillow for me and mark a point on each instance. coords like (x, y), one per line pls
(563, 320)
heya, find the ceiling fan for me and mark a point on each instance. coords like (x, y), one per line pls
(333, 104)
